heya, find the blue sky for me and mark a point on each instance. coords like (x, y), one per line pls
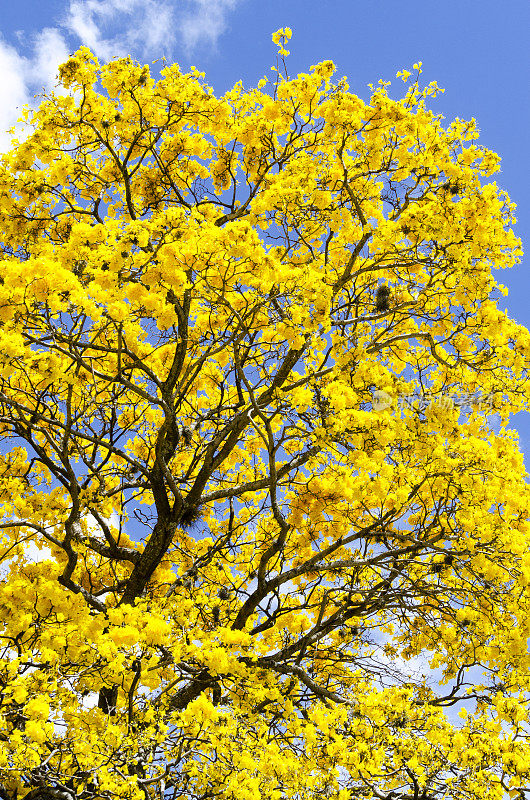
(476, 49)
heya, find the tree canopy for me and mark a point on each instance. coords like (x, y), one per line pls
(259, 538)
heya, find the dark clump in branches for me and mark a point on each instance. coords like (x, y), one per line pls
(382, 299)
(189, 517)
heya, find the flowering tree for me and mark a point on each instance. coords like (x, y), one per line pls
(253, 546)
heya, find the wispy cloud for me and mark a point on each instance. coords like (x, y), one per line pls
(23, 76)
(145, 29)
(13, 89)
(204, 21)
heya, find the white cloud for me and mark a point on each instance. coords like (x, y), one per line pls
(22, 77)
(146, 28)
(205, 21)
(90, 21)
(13, 91)
(50, 50)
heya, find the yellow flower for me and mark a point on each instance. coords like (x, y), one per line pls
(284, 33)
(38, 707)
(156, 630)
(35, 731)
(124, 636)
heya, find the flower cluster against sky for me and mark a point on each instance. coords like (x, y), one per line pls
(476, 50)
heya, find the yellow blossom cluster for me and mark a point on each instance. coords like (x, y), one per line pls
(258, 537)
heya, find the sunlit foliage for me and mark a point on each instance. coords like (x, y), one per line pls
(253, 544)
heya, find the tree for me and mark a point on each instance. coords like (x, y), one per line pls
(250, 352)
